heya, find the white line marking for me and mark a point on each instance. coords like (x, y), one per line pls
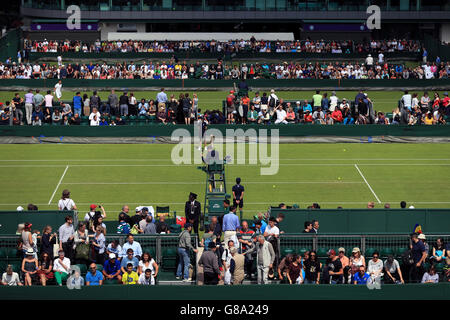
(168, 160)
(202, 183)
(59, 183)
(275, 202)
(231, 164)
(356, 166)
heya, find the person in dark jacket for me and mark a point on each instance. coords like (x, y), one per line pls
(210, 265)
(192, 211)
(47, 241)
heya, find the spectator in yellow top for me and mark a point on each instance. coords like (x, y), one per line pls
(130, 277)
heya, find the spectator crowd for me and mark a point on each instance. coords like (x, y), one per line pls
(265, 108)
(230, 251)
(371, 68)
(231, 46)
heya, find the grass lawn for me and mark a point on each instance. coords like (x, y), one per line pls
(384, 101)
(347, 175)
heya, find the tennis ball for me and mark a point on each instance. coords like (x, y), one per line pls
(274, 186)
(339, 178)
(345, 150)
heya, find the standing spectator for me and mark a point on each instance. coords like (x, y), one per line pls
(238, 194)
(123, 104)
(315, 224)
(58, 88)
(94, 277)
(10, 278)
(29, 267)
(86, 106)
(48, 240)
(333, 271)
(266, 257)
(38, 100)
(131, 244)
(230, 225)
(246, 242)
(161, 99)
(113, 102)
(65, 203)
(111, 268)
(237, 264)
(77, 103)
(283, 268)
(312, 269)
(61, 267)
(66, 237)
(419, 254)
(98, 245)
(308, 227)
(150, 227)
(393, 271)
(81, 244)
(439, 252)
(210, 265)
(317, 100)
(429, 277)
(95, 102)
(184, 245)
(124, 214)
(192, 211)
(27, 239)
(29, 105)
(375, 266)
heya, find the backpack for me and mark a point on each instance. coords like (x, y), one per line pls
(407, 258)
(272, 102)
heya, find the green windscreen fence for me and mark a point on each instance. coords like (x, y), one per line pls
(367, 220)
(9, 220)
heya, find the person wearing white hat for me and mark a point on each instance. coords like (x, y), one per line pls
(30, 267)
(19, 208)
(111, 269)
(411, 207)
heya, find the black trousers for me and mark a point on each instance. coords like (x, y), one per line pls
(416, 273)
(68, 250)
(211, 278)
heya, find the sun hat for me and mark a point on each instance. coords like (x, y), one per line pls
(29, 252)
(355, 250)
(112, 256)
(422, 236)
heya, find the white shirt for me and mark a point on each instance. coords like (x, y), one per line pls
(94, 122)
(143, 280)
(58, 88)
(381, 58)
(272, 231)
(407, 100)
(150, 266)
(369, 61)
(66, 203)
(11, 280)
(333, 101)
(58, 267)
(281, 115)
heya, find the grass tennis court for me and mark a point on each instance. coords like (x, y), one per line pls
(384, 101)
(349, 175)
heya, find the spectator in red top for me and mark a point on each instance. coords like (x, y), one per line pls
(337, 115)
(308, 117)
(436, 101)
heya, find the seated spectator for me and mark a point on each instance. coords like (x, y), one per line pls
(252, 115)
(47, 116)
(345, 264)
(290, 115)
(75, 120)
(294, 273)
(61, 267)
(133, 245)
(56, 117)
(130, 276)
(115, 248)
(439, 251)
(148, 263)
(146, 278)
(10, 278)
(129, 258)
(94, 117)
(361, 277)
(333, 272)
(392, 271)
(283, 268)
(312, 269)
(45, 272)
(150, 227)
(307, 118)
(112, 269)
(29, 268)
(94, 277)
(431, 276)
(161, 225)
(356, 260)
(336, 115)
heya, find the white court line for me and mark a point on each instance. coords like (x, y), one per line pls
(356, 166)
(252, 159)
(275, 202)
(230, 164)
(59, 183)
(202, 183)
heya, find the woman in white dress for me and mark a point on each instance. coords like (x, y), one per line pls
(148, 262)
